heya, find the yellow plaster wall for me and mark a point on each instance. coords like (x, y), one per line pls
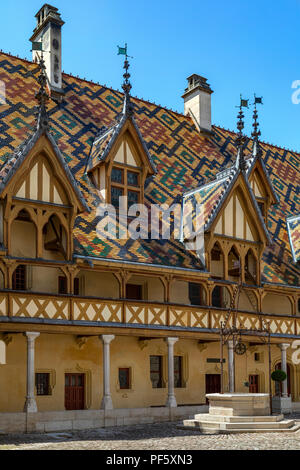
(98, 284)
(179, 292)
(278, 304)
(60, 354)
(23, 239)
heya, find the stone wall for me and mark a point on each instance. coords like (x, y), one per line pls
(54, 421)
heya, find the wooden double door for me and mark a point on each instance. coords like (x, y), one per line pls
(74, 391)
(253, 383)
(212, 383)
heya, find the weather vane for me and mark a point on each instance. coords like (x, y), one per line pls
(128, 108)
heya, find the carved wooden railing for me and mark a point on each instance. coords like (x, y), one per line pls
(60, 307)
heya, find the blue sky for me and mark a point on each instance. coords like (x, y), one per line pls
(241, 46)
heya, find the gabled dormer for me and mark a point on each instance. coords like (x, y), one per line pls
(39, 196)
(235, 231)
(119, 161)
(262, 187)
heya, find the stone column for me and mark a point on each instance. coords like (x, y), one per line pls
(30, 403)
(106, 403)
(283, 348)
(231, 373)
(171, 400)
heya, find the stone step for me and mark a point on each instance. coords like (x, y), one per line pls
(216, 428)
(284, 424)
(238, 419)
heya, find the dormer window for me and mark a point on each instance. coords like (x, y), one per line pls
(125, 182)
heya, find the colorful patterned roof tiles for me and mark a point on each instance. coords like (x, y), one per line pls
(184, 160)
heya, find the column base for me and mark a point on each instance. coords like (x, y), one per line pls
(30, 405)
(106, 403)
(171, 402)
(282, 405)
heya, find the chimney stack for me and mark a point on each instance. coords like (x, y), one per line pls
(197, 102)
(48, 31)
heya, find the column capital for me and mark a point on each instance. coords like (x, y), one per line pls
(107, 339)
(171, 340)
(31, 335)
(284, 346)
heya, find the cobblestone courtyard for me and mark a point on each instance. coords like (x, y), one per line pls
(148, 437)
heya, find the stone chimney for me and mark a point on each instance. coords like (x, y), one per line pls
(48, 31)
(197, 102)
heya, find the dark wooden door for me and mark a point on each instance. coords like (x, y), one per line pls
(212, 383)
(74, 391)
(133, 292)
(253, 384)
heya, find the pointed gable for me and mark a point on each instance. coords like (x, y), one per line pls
(108, 145)
(37, 171)
(230, 207)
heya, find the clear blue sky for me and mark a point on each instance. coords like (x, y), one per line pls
(241, 46)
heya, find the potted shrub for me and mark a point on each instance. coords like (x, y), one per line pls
(280, 404)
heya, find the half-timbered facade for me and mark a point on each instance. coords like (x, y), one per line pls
(88, 322)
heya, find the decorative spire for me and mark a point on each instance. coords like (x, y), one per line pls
(241, 140)
(256, 131)
(128, 107)
(42, 97)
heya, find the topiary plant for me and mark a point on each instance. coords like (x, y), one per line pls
(278, 375)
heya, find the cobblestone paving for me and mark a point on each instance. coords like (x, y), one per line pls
(164, 436)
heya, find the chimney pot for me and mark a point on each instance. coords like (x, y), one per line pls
(197, 102)
(48, 32)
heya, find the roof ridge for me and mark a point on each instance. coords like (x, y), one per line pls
(149, 102)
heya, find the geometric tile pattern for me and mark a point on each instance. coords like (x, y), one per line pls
(184, 160)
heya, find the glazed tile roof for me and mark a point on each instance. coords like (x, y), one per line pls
(293, 224)
(212, 195)
(184, 160)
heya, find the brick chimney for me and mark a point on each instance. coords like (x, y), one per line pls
(48, 31)
(197, 102)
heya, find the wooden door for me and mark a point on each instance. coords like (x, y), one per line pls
(74, 391)
(212, 383)
(253, 383)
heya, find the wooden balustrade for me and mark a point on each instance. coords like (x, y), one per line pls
(51, 307)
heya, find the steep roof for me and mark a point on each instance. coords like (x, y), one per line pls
(184, 160)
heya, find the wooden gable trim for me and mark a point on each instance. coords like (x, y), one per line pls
(263, 183)
(240, 186)
(43, 148)
(135, 146)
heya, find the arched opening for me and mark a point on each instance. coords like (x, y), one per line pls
(91, 283)
(217, 261)
(248, 300)
(54, 239)
(233, 264)
(23, 236)
(221, 297)
(277, 304)
(197, 294)
(250, 268)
